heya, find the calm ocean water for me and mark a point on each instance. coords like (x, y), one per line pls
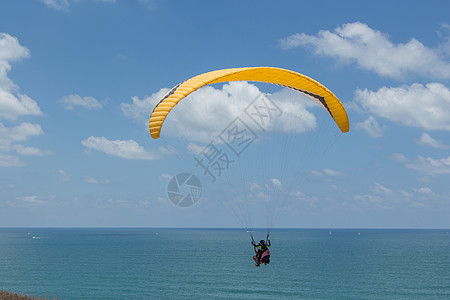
(217, 263)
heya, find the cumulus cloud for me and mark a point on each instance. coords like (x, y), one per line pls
(207, 112)
(430, 166)
(9, 136)
(399, 157)
(63, 5)
(23, 201)
(12, 104)
(426, 140)
(386, 198)
(71, 101)
(90, 179)
(424, 190)
(57, 4)
(11, 50)
(326, 172)
(253, 186)
(165, 177)
(31, 200)
(148, 3)
(310, 200)
(421, 106)
(383, 197)
(370, 126)
(63, 176)
(139, 109)
(373, 50)
(425, 165)
(275, 182)
(380, 189)
(128, 149)
(194, 148)
(7, 160)
(31, 151)
(19, 133)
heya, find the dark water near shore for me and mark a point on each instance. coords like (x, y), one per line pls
(216, 263)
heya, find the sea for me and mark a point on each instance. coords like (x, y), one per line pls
(150, 263)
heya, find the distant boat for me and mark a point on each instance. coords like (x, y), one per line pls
(359, 233)
(330, 233)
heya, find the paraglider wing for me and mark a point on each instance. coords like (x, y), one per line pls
(283, 77)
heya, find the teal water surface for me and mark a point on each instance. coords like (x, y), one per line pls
(217, 264)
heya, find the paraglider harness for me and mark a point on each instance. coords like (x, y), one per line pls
(262, 253)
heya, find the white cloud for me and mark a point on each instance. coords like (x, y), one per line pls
(204, 114)
(11, 50)
(374, 199)
(430, 166)
(128, 149)
(253, 186)
(165, 177)
(326, 172)
(275, 182)
(386, 198)
(13, 105)
(31, 200)
(424, 190)
(57, 4)
(372, 50)
(426, 165)
(148, 3)
(330, 172)
(141, 109)
(167, 150)
(63, 5)
(195, 149)
(63, 176)
(90, 179)
(18, 133)
(380, 189)
(10, 161)
(444, 32)
(426, 107)
(370, 126)
(31, 151)
(310, 200)
(316, 173)
(399, 157)
(426, 140)
(383, 197)
(23, 201)
(70, 101)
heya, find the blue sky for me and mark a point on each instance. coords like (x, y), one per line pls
(79, 79)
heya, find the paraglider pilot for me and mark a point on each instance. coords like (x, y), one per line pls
(262, 253)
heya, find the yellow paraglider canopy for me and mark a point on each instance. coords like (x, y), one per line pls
(283, 77)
